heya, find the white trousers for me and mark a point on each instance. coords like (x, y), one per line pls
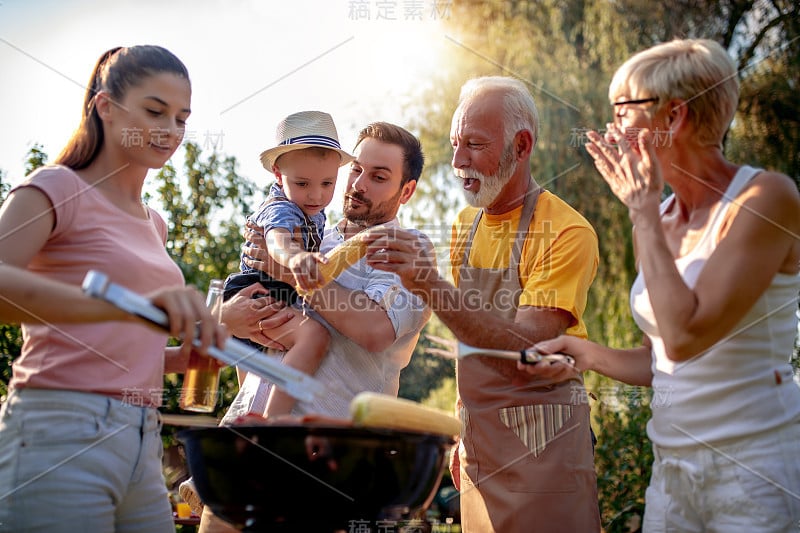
(742, 486)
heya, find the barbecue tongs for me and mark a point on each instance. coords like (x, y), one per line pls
(459, 350)
(236, 353)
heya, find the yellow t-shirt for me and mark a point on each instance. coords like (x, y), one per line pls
(559, 258)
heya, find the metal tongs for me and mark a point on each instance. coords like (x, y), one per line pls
(236, 353)
(528, 356)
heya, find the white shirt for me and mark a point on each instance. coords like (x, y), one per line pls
(741, 386)
(347, 368)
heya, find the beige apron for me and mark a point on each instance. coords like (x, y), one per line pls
(526, 454)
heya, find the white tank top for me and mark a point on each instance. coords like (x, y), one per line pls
(742, 385)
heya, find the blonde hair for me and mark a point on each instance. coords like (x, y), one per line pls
(519, 108)
(698, 71)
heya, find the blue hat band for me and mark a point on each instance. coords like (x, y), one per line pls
(320, 140)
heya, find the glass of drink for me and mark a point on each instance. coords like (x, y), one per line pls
(183, 510)
(201, 380)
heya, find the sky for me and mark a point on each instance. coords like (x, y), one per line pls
(251, 63)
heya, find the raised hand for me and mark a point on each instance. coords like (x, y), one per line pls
(408, 254)
(628, 164)
(305, 268)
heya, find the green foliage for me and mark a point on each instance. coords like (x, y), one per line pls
(770, 134)
(444, 396)
(10, 347)
(205, 210)
(36, 158)
(11, 334)
(623, 456)
(425, 372)
(4, 186)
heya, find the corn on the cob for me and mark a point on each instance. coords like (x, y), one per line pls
(340, 258)
(371, 409)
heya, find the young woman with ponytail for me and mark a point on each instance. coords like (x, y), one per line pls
(80, 446)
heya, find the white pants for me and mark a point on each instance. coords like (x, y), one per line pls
(746, 485)
(79, 462)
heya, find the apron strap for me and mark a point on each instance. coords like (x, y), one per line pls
(525, 219)
(528, 207)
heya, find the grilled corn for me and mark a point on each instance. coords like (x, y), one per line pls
(371, 409)
(340, 258)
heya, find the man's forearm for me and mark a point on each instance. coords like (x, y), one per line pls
(350, 312)
(464, 315)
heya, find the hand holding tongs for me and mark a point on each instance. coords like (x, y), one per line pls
(528, 356)
(236, 353)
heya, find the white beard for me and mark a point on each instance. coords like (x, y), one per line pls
(492, 185)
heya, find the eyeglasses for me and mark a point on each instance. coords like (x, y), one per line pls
(621, 107)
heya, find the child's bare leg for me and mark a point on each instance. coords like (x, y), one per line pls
(307, 342)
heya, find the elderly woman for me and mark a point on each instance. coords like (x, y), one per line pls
(716, 296)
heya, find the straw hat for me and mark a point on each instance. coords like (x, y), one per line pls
(305, 129)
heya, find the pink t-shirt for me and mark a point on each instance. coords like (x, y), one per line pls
(119, 359)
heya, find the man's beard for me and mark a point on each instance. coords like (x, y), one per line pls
(492, 185)
(383, 212)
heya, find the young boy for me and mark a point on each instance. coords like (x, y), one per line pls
(305, 163)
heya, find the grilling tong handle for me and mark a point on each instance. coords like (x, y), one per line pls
(529, 356)
(236, 353)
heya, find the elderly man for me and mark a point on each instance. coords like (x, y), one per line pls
(522, 261)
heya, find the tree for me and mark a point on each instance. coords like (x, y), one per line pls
(11, 334)
(37, 157)
(4, 186)
(767, 133)
(622, 476)
(426, 372)
(205, 207)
